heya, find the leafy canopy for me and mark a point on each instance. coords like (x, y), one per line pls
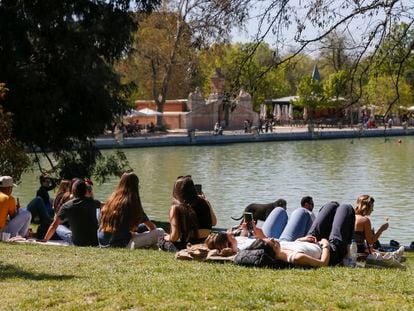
(56, 58)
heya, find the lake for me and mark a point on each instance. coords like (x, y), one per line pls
(235, 175)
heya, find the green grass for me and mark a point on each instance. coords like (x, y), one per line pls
(36, 277)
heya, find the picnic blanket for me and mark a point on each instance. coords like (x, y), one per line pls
(19, 239)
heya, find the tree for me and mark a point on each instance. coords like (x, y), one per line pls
(366, 23)
(333, 56)
(56, 57)
(296, 68)
(336, 85)
(381, 92)
(310, 92)
(195, 21)
(146, 66)
(259, 85)
(13, 159)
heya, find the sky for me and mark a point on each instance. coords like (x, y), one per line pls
(354, 31)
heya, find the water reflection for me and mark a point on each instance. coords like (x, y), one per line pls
(235, 175)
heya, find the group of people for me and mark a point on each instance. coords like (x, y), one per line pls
(77, 218)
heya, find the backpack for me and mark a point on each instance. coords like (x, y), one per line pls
(259, 258)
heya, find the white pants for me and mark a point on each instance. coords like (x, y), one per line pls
(145, 239)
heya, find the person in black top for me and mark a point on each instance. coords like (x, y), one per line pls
(41, 206)
(80, 214)
(191, 215)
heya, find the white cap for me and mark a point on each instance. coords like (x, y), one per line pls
(6, 181)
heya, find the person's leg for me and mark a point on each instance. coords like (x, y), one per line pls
(275, 223)
(341, 233)
(321, 227)
(64, 233)
(38, 208)
(19, 224)
(145, 239)
(298, 225)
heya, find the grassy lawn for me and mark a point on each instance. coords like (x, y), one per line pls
(35, 277)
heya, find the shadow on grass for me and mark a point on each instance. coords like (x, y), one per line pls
(11, 271)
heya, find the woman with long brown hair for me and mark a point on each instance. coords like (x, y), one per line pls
(121, 215)
(191, 215)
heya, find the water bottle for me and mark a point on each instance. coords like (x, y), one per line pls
(353, 253)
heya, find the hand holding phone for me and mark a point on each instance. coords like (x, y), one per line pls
(198, 188)
(248, 220)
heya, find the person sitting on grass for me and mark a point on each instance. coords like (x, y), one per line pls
(326, 243)
(41, 206)
(191, 216)
(363, 228)
(121, 215)
(365, 236)
(80, 214)
(62, 192)
(19, 218)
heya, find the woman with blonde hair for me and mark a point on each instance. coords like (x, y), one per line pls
(121, 215)
(191, 215)
(363, 228)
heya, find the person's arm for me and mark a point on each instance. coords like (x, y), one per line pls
(213, 215)
(302, 259)
(52, 229)
(174, 232)
(12, 209)
(257, 231)
(371, 237)
(308, 238)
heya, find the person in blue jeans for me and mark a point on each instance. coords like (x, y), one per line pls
(278, 225)
(300, 221)
(41, 207)
(275, 223)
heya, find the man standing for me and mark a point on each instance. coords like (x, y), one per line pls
(80, 214)
(19, 219)
(300, 221)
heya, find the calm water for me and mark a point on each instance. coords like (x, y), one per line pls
(235, 175)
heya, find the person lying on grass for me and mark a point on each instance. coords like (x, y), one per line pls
(326, 243)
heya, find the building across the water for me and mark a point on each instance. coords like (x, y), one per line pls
(197, 112)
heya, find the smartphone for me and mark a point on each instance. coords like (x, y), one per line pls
(198, 188)
(248, 219)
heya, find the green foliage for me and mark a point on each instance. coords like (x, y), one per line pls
(56, 57)
(394, 49)
(114, 164)
(298, 67)
(381, 91)
(36, 277)
(89, 162)
(254, 74)
(13, 159)
(149, 63)
(335, 86)
(311, 95)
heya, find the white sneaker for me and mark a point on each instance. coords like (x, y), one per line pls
(399, 254)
